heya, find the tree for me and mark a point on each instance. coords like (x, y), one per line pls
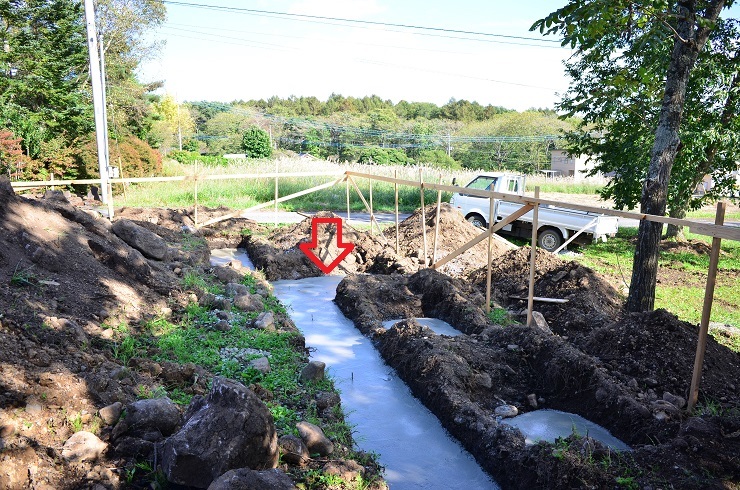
(613, 38)
(256, 143)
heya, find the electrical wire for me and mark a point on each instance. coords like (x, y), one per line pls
(352, 21)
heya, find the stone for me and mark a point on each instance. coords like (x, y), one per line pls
(540, 322)
(83, 446)
(7, 428)
(327, 399)
(148, 243)
(677, 401)
(483, 380)
(246, 479)
(293, 450)
(111, 413)
(230, 428)
(347, 470)
(261, 364)
(248, 302)
(506, 411)
(227, 274)
(265, 320)
(532, 400)
(314, 438)
(150, 419)
(667, 407)
(33, 405)
(222, 326)
(234, 289)
(314, 371)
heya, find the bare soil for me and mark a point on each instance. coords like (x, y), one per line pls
(70, 291)
(67, 282)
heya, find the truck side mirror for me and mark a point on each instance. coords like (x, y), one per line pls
(454, 180)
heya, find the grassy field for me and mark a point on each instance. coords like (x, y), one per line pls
(682, 275)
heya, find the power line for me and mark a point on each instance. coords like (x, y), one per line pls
(355, 21)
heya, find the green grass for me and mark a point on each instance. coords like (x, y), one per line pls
(685, 298)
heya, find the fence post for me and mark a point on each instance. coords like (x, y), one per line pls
(276, 193)
(701, 345)
(436, 222)
(347, 190)
(423, 216)
(530, 298)
(395, 192)
(490, 259)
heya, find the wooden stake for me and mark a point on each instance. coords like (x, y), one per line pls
(423, 216)
(530, 300)
(195, 194)
(346, 180)
(395, 191)
(367, 207)
(475, 241)
(372, 216)
(490, 258)
(701, 345)
(436, 223)
(52, 181)
(276, 192)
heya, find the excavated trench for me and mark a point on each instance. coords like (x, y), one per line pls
(416, 450)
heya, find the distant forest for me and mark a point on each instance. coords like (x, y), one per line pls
(370, 129)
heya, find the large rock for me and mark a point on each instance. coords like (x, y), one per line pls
(231, 428)
(246, 479)
(148, 243)
(83, 446)
(150, 419)
(314, 438)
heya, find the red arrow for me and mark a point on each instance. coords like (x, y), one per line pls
(308, 248)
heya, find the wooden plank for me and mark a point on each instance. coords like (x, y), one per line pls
(270, 203)
(533, 256)
(347, 192)
(707, 229)
(574, 236)
(541, 299)
(471, 243)
(701, 344)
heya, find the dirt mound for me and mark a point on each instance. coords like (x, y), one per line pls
(454, 232)
(603, 377)
(279, 256)
(591, 299)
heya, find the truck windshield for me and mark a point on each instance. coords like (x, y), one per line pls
(482, 183)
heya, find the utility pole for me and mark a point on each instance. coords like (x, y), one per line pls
(98, 99)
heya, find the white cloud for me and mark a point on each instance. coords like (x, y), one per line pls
(350, 9)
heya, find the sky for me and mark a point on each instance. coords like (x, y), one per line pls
(236, 53)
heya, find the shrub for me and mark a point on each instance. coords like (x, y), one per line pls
(190, 157)
(256, 143)
(134, 156)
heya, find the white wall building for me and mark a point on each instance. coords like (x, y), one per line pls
(563, 165)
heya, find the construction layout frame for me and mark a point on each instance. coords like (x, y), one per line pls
(717, 231)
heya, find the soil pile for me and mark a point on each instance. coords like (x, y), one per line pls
(454, 232)
(72, 297)
(629, 373)
(278, 254)
(592, 300)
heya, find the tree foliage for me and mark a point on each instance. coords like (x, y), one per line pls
(256, 143)
(637, 75)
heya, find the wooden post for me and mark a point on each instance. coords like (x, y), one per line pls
(701, 345)
(372, 215)
(347, 190)
(395, 192)
(488, 268)
(423, 216)
(53, 187)
(195, 195)
(276, 192)
(109, 190)
(530, 299)
(436, 223)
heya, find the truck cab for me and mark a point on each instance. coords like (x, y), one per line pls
(475, 209)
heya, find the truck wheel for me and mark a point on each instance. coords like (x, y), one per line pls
(476, 220)
(550, 239)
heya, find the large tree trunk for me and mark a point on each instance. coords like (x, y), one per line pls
(689, 41)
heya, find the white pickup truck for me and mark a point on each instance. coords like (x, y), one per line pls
(555, 224)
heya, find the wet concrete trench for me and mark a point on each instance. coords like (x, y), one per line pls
(415, 449)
